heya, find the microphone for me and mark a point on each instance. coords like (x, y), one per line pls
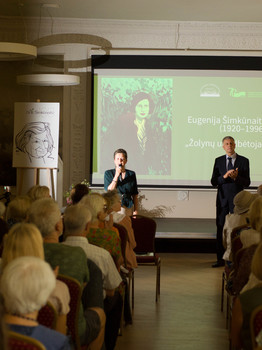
(120, 177)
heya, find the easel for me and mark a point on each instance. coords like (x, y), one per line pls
(36, 179)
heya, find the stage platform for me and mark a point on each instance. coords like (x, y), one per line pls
(186, 235)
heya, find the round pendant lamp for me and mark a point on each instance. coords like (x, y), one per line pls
(48, 79)
(17, 51)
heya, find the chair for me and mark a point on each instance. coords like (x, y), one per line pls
(256, 324)
(47, 316)
(17, 341)
(75, 291)
(145, 231)
(131, 273)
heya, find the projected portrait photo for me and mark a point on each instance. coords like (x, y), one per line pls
(36, 131)
(36, 141)
(140, 122)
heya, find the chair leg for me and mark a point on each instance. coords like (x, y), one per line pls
(133, 290)
(158, 281)
(131, 278)
(222, 291)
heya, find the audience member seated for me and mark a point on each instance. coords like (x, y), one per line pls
(37, 192)
(102, 237)
(250, 239)
(244, 305)
(114, 208)
(242, 202)
(26, 284)
(251, 235)
(17, 210)
(257, 222)
(26, 240)
(78, 192)
(76, 221)
(45, 214)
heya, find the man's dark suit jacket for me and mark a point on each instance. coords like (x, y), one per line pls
(228, 188)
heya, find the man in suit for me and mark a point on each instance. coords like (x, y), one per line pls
(230, 176)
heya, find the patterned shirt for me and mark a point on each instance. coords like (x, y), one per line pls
(102, 258)
(108, 240)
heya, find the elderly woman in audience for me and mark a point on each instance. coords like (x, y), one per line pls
(245, 304)
(242, 202)
(114, 208)
(26, 240)
(37, 192)
(102, 237)
(26, 285)
(17, 210)
(251, 234)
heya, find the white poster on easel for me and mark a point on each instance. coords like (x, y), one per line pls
(36, 135)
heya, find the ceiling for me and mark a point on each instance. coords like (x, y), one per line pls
(167, 10)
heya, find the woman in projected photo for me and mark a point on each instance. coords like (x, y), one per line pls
(35, 140)
(143, 107)
(138, 134)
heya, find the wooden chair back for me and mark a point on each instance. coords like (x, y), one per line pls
(47, 316)
(17, 341)
(75, 291)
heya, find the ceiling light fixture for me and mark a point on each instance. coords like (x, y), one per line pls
(17, 51)
(48, 79)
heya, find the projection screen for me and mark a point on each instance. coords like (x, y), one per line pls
(170, 113)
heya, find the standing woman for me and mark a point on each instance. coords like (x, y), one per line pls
(124, 181)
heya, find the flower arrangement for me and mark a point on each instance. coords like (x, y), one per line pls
(67, 194)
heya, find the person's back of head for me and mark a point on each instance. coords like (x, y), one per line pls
(242, 201)
(112, 197)
(259, 190)
(76, 218)
(78, 192)
(95, 203)
(23, 239)
(26, 285)
(17, 209)
(38, 191)
(46, 215)
(255, 214)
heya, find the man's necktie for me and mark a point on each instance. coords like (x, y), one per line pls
(230, 165)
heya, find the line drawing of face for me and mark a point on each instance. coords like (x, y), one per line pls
(37, 145)
(142, 109)
(35, 140)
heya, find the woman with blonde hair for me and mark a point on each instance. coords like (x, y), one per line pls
(37, 192)
(114, 208)
(17, 210)
(102, 237)
(25, 239)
